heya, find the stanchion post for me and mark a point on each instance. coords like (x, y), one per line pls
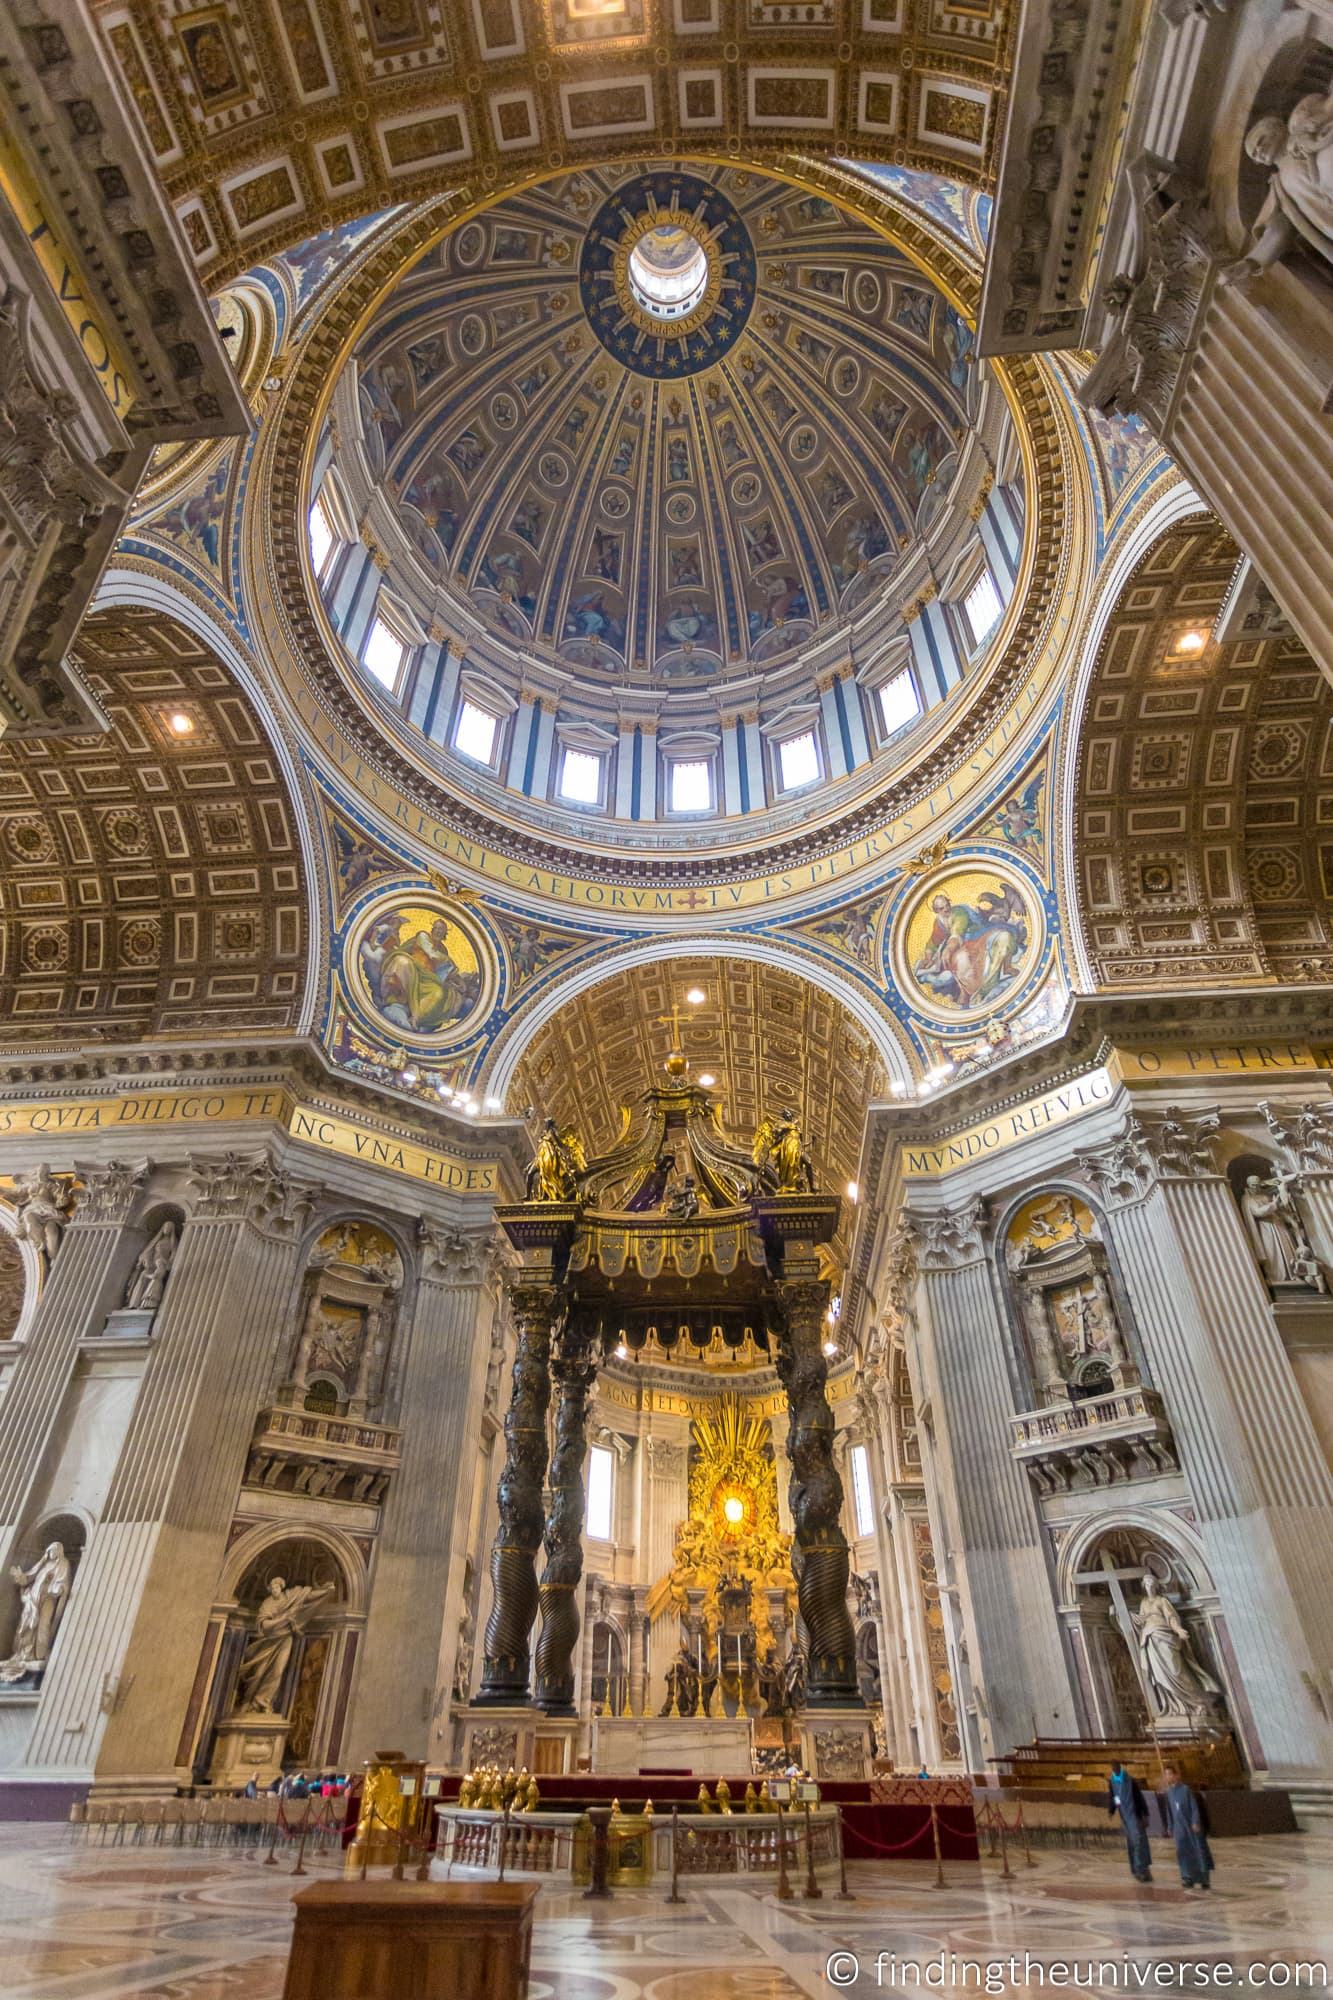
(1022, 1826)
(675, 1896)
(786, 1894)
(300, 1852)
(813, 1892)
(504, 1839)
(1005, 1870)
(270, 1859)
(844, 1893)
(423, 1866)
(939, 1857)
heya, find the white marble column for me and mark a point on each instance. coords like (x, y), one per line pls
(1261, 1488)
(1015, 1651)
(418, 1568)
(149, 1574)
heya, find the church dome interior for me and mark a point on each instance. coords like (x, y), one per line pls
(664, 505)
(666, 981)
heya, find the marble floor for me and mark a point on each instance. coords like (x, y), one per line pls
(90, 1923)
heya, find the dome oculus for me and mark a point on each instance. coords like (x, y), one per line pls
(668, 271)
(667, 274)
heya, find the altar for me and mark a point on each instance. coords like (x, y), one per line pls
(692, 1746)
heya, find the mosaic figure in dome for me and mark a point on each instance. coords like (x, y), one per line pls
(423, 975)
(974, 949)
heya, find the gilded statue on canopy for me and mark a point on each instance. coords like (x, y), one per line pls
(558, 1165)
(781, 1162)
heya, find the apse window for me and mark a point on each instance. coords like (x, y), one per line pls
(581, 778)
(323, 539)
(691, 786)
(982, 607)
(474, 732)
(798, 761)
(899, 701)
(383, 654)
(597, 1521)
(861, 1501)
(668, 271)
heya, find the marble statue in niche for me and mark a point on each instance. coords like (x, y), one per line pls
(152, 1268)
(283, 1613)
(1172, 1671)
(43, 1592)
(1277, 1234)
(1060, 1279)
(1298, 210)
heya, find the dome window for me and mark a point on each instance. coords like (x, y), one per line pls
(983, 607)
(474, 732)
(384, 654)
(899, 702)
(691, 786)
(581, 777)
(798, 761)
(865, 1510)
(324, 540)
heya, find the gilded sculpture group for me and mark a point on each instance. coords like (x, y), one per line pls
(781, 1164)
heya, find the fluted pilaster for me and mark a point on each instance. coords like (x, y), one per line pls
(149, 1574)
(75, 1299)
(1261, 1487)
(423, 1533)
(1016, 1649)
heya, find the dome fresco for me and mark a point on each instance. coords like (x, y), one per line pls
(663, 423)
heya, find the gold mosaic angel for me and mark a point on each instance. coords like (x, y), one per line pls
(558, 1165)
(780, 1158)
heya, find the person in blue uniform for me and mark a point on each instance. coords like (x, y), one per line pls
(1125, 1796)
(1186, 1815)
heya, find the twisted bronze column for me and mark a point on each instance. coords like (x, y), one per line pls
(504, 1679)
(820, 1558)
(572, 1371)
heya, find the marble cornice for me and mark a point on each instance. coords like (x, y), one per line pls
(299, 1064)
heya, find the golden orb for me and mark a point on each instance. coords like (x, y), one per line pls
(676, 1065)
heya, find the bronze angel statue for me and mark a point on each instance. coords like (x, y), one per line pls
(782, 1165)
(559, 1163)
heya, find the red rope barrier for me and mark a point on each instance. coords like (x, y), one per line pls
(922, 1832)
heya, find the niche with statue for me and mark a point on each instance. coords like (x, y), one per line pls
(348, 1310)
(1064, 1296)
(149, 1276)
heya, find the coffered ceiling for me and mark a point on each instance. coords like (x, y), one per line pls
(272, 119)
(768, 1036)
(151, 878)
(1205, 800)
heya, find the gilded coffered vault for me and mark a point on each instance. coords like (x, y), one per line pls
(270, 122)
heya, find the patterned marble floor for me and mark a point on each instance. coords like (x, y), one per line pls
(92, 1923)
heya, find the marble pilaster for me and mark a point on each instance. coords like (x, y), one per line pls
(1015, 1641)
(148, 1576)
(1262, 1490)
(79, 1290)
(442, 1383)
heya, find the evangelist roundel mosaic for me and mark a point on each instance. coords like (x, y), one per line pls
(966, 940)
(420, 968)
(667, 274)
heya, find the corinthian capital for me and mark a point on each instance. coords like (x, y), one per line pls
(449, 1256)
(228, 1187)
(1306, 1131)
(949, 1239)
(1181, 1143)
(1121, 1170)
(109, 1191)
